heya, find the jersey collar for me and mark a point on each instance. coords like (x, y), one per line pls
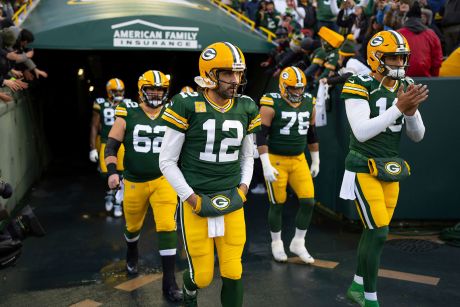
(217, 107)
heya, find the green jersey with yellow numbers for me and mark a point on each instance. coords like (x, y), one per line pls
(386, 143)
(213, 138)
(289, 127)
(106, 111)
(143, 138)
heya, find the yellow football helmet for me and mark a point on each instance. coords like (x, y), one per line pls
(187, 89)
(157, 80)
(388, 43)
(115, 90)
(216, 57)
(295, 78)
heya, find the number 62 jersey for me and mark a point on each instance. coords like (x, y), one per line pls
(142, 141)
(213, 138)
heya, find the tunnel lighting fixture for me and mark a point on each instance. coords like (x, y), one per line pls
(91, 88)
(81, 71)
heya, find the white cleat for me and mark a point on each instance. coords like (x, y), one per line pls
(108, 203)
(298, 247)
(259, 189)
(118, 211)
(278, 251)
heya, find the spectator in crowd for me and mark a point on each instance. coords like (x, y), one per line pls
(298, 12)
(427, 20)
(426, 51)
(251, 7)
(268, 18)
(346, 16)
(325, 16)
(282, 41)
(372, 28)
(396, 16)
(451, 25)
(8, 77)
(309, 22)
(359, 27)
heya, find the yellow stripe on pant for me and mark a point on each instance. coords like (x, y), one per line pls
(293, 170)
(159, 194)
(120, 157)
(200, 248)
(375, 200)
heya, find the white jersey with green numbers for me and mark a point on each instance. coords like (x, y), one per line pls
(379, 98)
(288, 130)
(213, 138)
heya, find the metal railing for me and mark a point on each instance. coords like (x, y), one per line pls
(244, 19)
(22, 10)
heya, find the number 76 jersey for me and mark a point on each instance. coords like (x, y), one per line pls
(386, 143)
(142, 141)
(213, 138)
(289, 127)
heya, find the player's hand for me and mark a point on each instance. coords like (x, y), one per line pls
(93, 155)
(409, 100)
(314, 167)
(192, 199)
(114, 181)
(270, 172)
(243, 188)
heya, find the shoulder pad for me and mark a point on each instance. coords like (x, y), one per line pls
(306, 94)
(100, 100)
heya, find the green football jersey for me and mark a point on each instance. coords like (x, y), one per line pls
(106, 112)
(318, 56)
(288, 131)
(143, 138)
(323, 11)
(213, 138)
(385, 144)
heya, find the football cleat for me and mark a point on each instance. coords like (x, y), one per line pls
(118, 211)
(278, 251)
(132, 257)
(259, 189)
(355, 293)
(297, 247)
(108, 202)
(173, 294)
(190, 300)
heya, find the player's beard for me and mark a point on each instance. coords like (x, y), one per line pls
(227, 90)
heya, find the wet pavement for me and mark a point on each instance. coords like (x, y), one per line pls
(81, 258)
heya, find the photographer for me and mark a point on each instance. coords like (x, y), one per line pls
(15, 227)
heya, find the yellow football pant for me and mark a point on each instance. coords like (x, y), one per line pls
(200, 248)
(293, 170)
(159, 194)
(120, 157)
(375, 200)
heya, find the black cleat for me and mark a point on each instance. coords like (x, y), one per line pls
(173, 293)
(132, 256)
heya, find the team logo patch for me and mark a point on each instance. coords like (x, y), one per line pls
(220, 202)
(200, 107)
(285, 75)
(376, 41)
(393, 168)
(209, 54)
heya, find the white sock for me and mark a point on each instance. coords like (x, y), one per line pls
(370, 296)
(275, 235)
(358, 279)
(300, 234)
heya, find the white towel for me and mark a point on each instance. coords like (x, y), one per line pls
(347, 191)
(216, 226)
(321, 97)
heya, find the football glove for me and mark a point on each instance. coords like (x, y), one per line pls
(314, 167)
(270, 172)
(93, 155)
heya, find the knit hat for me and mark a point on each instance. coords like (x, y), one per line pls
(348, 46)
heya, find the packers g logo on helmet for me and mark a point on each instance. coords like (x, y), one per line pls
(376, 41)
(153, 79)
(292, 77)
(219, 56)
(209, 54)
(115, 90)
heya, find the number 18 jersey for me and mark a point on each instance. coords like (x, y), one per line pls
(288, 131)
(143, 138)
(386, 143)
(213, 138)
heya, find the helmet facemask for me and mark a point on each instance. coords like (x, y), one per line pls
(387, 70)
(294, 97)
(151, 96)
(116, 96)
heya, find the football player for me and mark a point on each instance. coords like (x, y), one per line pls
(288, 124)
(377, 106)
(102, 121)
(140, 128)
(212, 134)
(187, 89)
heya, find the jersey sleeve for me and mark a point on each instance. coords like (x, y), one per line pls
(267, 101)
(254, 118)
(121, 110)
(176, 116)
(318, 56)
(354, 88)
(332, 60)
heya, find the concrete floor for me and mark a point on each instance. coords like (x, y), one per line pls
(81, 259)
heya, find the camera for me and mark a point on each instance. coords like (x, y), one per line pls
(15, 227)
